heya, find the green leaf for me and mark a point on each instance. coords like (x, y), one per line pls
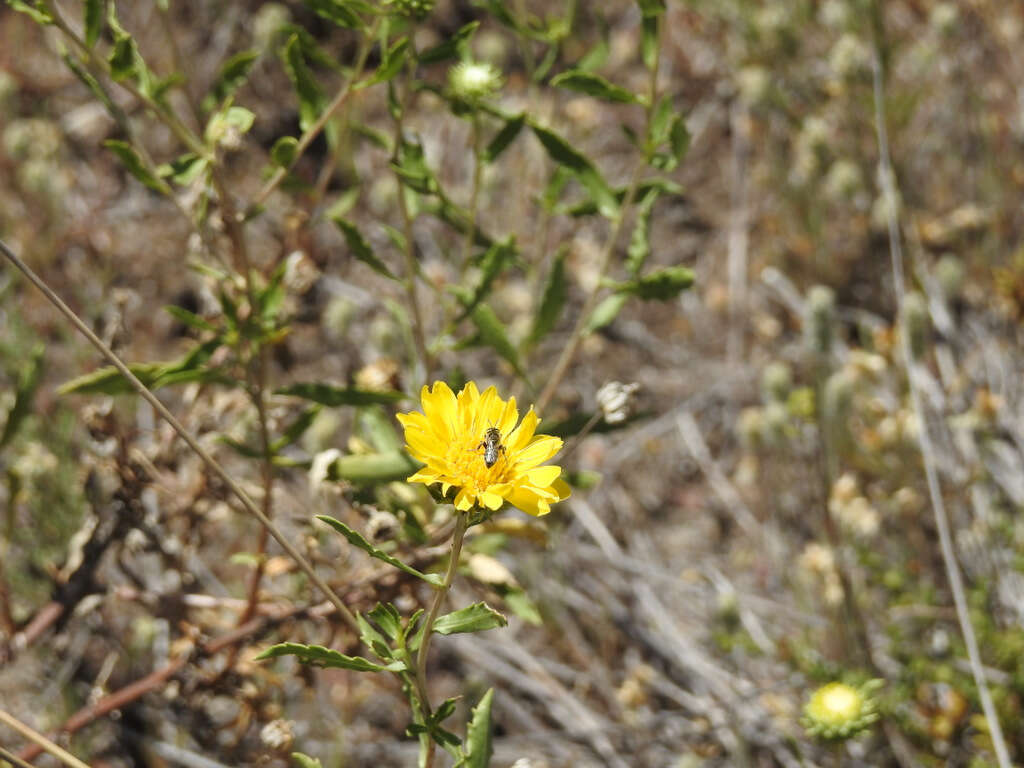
(332, 396)
(361, 249)
(660, 285)
(28, 382)
(93, 85)
(556, 291)
(127, 155)
(504, 137)
(593, 85)
(595, 58)
(390, 66)
(124, 59)
(387, 617)
(492, 333)
(311, 98)
(284, 151)
(38, 13)
(649, 40)
(296, 429)
(605, 312)
(478, 734)
(521, 604)
(411, 166)
(183, 170)
(191, 319)
(340, 12)
(222, 122)
(473, 618)
(109, 381)
(639, 244)
(305, 761)
(318, 656)
(373, 639)
(356, 539)
(233, 74)
(454, 47)
(95, 13)
(491, 265)
(561, 152)
(372, 468)
(649, 8)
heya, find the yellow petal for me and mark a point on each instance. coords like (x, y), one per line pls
(540, 450)
(529, 502)
(509, 416)
(491, 500)
(543, 476)
(465, 499)
(522, 435)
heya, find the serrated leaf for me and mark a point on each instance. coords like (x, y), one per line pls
(311, 98)
(503, 138)
(478, 734)
(124, 57)
(333, 396)
(605, 312)
(305, 761)
(95, 13)
(473, 618)
(492, 333)
(390, 66)
(361, 249)
(660, 285)
(126, 154)
(372, 638)
(454, 47)
(556, 291)
(387, 617)
(28, 382)
(356, 539)
(318, 656)
(233, 74)
(594, 85)
(340, 12)
(561, 152)
(411, 166)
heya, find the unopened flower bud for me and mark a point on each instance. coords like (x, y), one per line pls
(819, 324)
(417, 10)
(278, 735)
(837, 711)
(474, 80)
(916, 322)
(616, 400)
(776, 381)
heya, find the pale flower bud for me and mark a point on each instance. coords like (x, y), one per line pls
(616, 400)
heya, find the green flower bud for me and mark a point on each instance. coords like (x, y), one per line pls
(949, 271)
(837, 711)
(474, 80)
(837, 401)
(776, 381)
(916, 323)
(820, 321)
(417, 10)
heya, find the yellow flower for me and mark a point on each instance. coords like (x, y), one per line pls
(838, 711)
(449, 438)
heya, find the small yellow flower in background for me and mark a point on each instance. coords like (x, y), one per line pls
(448, 437)
(838, 711)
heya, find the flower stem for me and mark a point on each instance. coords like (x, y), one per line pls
(461, 524)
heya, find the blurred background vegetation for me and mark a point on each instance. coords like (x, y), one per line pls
(760, 525)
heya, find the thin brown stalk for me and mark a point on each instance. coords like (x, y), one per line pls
(956, 583)
(44, 743)
(435, 608)
(185, 435)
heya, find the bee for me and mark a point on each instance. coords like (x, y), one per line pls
(492, 446)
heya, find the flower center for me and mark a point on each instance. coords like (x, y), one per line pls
(465, 459)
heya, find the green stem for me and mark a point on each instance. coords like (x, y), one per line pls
(474, 195)
(461, 523)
